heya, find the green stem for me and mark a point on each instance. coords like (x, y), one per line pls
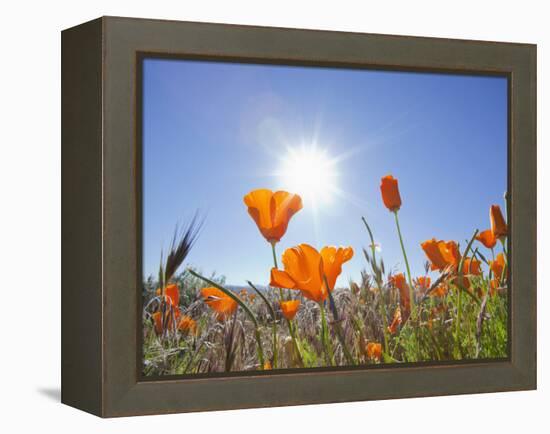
(460, 280)
(372, 246)
(458, 317)
(281, 298)
(338, 326)
(273, 318)
(324, 336)
(275, 345)
(260, 348)
(377, 273)
(295, 342)
(490, 269)
(504, 250)
(413, 314)
(275, 350)
(384, 319)
(462, 287)
(274, 254)
(265, 300)
(411, 292)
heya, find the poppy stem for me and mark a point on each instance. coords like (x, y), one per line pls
(458, 315)
(324, 336)
(281, 297)
(378, 275)
(274, 254)
(490, 269)
(411, 291)
(275, 345)
(273, 318)
(275, 350)
(504, 250)
(260, 348)
(292, 331)
(276, 266)
(337, 325)
(461, 286)
(384, 320)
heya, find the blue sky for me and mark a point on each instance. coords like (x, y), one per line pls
(215, 131)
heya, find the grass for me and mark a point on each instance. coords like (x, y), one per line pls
(230, 345)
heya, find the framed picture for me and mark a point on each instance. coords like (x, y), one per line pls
(262, 217)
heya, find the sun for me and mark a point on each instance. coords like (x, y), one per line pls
(309, 172)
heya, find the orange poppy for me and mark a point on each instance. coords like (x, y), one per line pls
(439, 291)
(396, 322)
(171, 294)
(390, 193)
(187, 325)
(494, 287)
(433, 250)
(441, 254)
(272, 211)
(219, 301)
(498, 225)
(157, 321)
(333, 258)
(451, 254)
(290, 308)
(374, 351)
(424, 283)
(398, 280)
(498, 266)
(304, 270)
(487, 238)
(167, 323)
(471, 266)
(461, 281)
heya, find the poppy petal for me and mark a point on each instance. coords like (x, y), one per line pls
(487, 238)
(390, 193)
(281, 279)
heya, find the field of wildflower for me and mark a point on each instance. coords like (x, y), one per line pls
(306, 318)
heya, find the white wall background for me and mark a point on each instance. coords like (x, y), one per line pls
(30, 213)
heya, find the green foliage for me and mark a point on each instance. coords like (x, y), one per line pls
(459, 324)
(310, 356)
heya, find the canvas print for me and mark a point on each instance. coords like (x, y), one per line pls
(305, 217)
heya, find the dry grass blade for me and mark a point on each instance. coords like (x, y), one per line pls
(181, 246)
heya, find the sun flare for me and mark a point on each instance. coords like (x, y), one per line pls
(309, 172)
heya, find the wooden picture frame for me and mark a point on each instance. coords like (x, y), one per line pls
(101, 215)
